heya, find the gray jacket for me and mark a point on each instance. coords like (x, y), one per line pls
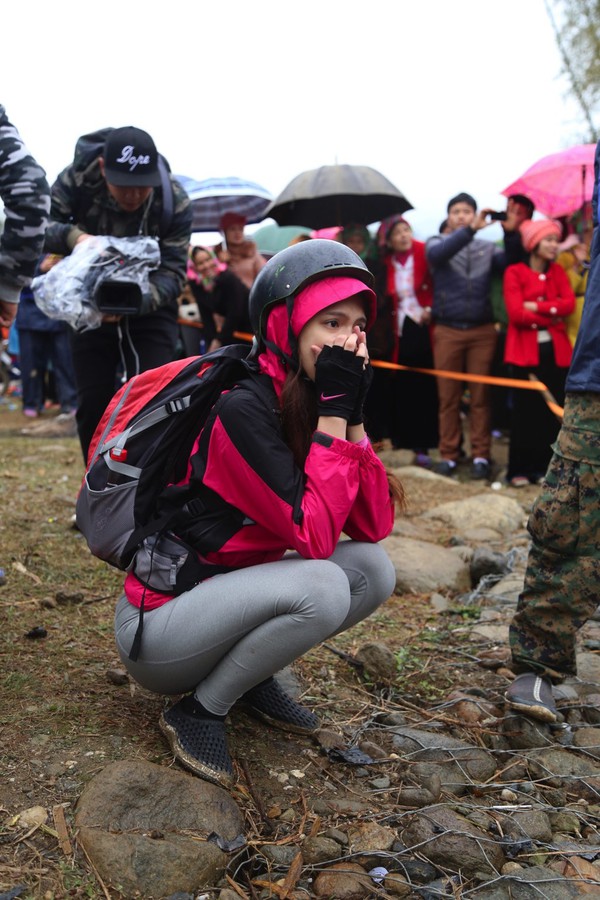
(462, 269)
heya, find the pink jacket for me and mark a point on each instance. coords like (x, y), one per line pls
(255, 502)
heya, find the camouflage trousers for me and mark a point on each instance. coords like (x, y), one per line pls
(562, 581)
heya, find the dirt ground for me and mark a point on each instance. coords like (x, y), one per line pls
(65, 711)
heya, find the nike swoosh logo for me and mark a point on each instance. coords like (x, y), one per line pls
(324, 398)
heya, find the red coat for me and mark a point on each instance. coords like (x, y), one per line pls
(554, 298)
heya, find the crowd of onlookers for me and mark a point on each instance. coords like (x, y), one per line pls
(463, 328)
(453, 304)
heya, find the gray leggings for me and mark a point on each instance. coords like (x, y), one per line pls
(235, 630)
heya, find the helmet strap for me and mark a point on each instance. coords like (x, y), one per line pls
(288, 361)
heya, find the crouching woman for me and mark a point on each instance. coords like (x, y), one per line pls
(283, 472)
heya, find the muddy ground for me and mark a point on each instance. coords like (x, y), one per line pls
(65, 712)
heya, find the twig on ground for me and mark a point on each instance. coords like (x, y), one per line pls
(96, 873)
(267, 824)
(351, 660)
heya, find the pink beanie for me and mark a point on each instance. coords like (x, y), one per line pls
(323, 293)
(534, 230)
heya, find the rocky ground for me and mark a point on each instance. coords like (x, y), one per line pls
(418, 785)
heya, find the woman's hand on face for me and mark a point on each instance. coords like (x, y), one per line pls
(361, 344)
(355, 343)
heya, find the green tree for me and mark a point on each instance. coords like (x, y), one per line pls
(576, 26)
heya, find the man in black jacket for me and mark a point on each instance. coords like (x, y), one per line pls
(119, 185)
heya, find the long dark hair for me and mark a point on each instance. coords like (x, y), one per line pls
(299, 421)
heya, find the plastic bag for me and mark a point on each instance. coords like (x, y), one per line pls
(103, 276)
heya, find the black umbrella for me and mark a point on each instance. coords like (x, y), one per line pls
(337, 195)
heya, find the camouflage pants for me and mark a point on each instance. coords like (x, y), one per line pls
(562, 581)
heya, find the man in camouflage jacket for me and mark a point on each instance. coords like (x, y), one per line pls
(26, 197)
(119, 185)
(563, 567)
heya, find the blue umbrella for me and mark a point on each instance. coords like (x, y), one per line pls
(213, 197)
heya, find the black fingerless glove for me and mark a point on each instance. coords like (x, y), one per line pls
(338, 380)
(357, 413)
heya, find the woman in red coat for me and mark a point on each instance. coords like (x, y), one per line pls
(538, 297)
(405, 297)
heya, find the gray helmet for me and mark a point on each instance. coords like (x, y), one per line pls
(294, 268)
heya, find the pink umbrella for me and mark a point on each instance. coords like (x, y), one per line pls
(558, 184)
(329, 234)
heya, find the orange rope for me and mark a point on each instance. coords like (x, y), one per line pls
(532, 385)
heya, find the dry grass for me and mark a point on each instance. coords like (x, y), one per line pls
(62, 718)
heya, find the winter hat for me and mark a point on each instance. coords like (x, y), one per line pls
(386, 228)
(131, 158)
(231, 218)
(533, 231)
(462, 198)
(323, 293)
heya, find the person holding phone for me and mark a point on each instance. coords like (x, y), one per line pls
(464, 335)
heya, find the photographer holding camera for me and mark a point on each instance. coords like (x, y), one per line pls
(119, 185)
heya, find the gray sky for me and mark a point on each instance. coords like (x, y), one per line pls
(441, 97)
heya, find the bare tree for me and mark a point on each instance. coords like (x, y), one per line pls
(578, 39)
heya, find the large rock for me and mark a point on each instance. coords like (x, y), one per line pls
(145, 827)
(458, 764)
(447, 839)
(559, 767)
(422, 567)
(532, 883)
(491, 511)
(344, 881)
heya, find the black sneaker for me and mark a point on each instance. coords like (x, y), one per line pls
(444, 467)
(532, 694)
(480, 470)
(198, 743)
(269, 702)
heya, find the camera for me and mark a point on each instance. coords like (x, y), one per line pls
(498, 216)
(118, 298)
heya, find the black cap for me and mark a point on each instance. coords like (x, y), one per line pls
(131, 158)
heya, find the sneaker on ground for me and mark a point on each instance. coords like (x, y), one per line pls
(269, 702)
(519, 481)
(423, 460)
(60, 426)
(445, 467)
(480, 469)
(199, 744)
(532, 694)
